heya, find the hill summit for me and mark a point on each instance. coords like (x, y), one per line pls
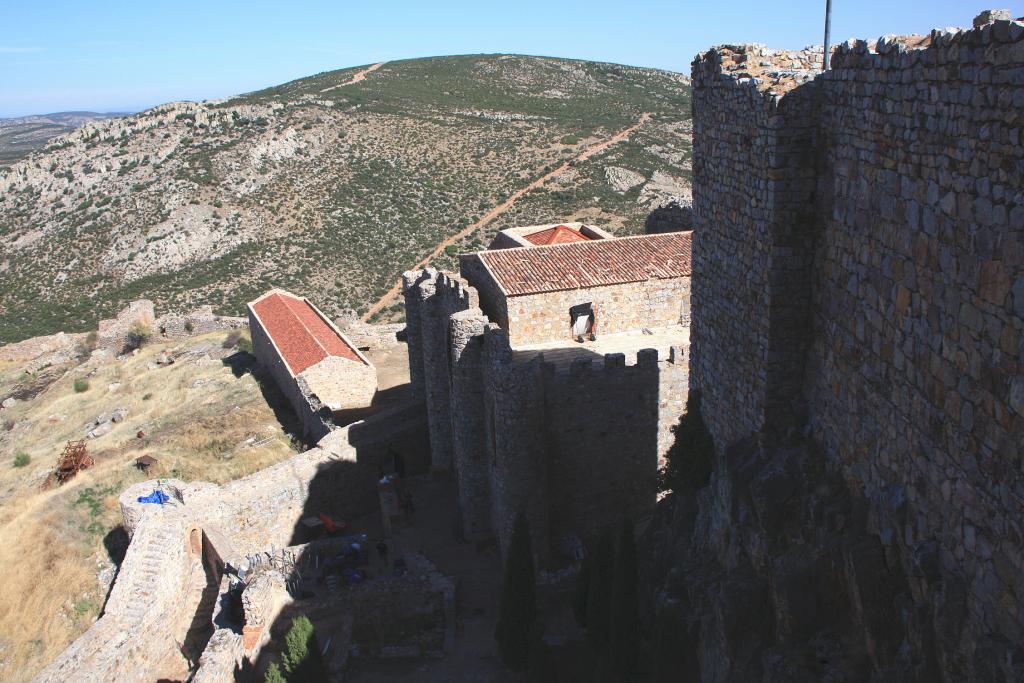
(330, 185)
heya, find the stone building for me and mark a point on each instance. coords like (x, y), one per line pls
(316, 367)
(528, 417)
(858, 281)
(566, 290)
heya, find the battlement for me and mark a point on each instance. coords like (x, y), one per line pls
(516, 423)
(857, 266)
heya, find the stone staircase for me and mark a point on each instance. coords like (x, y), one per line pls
(147, 568)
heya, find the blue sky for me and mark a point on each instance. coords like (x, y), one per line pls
(107, 55)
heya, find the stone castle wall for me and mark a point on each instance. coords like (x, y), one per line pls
(576, 448)
(859, 269)
(493, 302)
(919, 296)
(149, 599)
(200, 321)
(431, 298)
(752, 156)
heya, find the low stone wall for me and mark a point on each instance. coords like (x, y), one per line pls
(65, 345)
(144, 606)
(111, 336)
(148, 600)
(412, 615)
(200, 321)
(113, 333)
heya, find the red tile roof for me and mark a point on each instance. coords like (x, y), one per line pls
(303, 337)
(559, 234)
(593, 263)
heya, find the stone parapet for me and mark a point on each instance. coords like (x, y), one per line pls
(575, 446)
(858, 256)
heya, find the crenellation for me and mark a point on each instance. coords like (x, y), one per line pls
(854, 272)
(523, 425)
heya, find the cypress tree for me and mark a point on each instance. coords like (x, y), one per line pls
(599, 592)
(625, 622)
(517, 611)
(302, 661)
(274, 675)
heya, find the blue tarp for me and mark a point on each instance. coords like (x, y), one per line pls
(158, 497)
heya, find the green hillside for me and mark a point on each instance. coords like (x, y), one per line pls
(325, 187)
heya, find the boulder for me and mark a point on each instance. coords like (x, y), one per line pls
(99, 430)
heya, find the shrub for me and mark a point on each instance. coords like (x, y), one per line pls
(244, 345)
(138, 334)
(231, 340)
(88, 345)
(189, 326)
(689, 459)
(302, 660)
(274, 675)
(517, 611)
(22, 459)
(81, 385)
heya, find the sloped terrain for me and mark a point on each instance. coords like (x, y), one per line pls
(328, 187)
(204, 417)
(22, 135)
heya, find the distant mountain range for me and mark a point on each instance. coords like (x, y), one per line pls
(23, 134)
(330, 185)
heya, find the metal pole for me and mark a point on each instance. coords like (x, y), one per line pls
(828, 25)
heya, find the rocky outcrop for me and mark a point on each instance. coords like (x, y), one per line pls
(673, 215)
(622, 179)
(777, 571)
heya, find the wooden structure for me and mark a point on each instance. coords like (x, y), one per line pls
(73, 460)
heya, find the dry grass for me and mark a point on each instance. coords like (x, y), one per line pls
(199, 420)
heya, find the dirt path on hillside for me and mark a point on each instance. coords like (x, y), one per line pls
(359, 76)
(506, 205)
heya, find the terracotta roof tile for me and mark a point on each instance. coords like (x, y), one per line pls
(303, 337)
(593, 263)
(559, 234)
